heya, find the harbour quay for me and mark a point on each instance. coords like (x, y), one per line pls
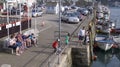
(74, 54)
(33, 57)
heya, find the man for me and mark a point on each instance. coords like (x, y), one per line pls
(81, 34)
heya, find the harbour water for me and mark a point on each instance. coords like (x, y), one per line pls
(115, 13)
(115, 16)
(110, 58)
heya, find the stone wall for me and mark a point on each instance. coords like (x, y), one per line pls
(65, 59)
(75, 57)
(81, 56)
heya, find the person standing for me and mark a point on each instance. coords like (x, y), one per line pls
(81, 34)
(67, 39)
(86, 40)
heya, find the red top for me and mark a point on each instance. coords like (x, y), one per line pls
(55, 44)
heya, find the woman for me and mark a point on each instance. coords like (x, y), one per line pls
(13, 44)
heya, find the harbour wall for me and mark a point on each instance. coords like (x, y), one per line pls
(74, 57)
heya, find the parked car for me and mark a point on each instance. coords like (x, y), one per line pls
(66, 8)
(83, 11)
(16, 12)
(70, 17)
(90, 9)
(79, 15)
(36, 13)
(20, 12)
(74, 7)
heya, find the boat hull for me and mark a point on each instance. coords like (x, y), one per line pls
(100, 37)
(104, 46)
(117, 40)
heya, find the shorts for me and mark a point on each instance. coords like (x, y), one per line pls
(81, 37)
(13, 46)
(18, 44)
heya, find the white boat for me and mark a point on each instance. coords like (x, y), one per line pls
(103, 12)
(105, 30)
(104, 27)
(99, 37)
(105, 44)
(117, 40)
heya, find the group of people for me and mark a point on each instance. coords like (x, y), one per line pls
(20, 42)
(83, 36)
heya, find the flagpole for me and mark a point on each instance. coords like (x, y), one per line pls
(8, 21)
(59, 23)
(28, 14)
(35, 20)
(59, 30)
(20, 15)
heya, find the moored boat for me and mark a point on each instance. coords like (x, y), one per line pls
(100, 37)
(117, 40)
(116, 26)
(115, 30)
(103, 12)
(104, 42)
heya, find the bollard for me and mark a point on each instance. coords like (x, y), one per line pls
(43, 23)
(58, 58)
(49, 64)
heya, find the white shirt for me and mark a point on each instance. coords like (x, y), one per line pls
(82, 32)
(12, 41)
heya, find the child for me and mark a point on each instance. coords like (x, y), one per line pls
(33, 39)
(67, 39)
(55, 45)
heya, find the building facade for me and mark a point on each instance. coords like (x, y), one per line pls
(14, 3)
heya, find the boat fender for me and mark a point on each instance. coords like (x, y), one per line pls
(115, 46)
(94, 57)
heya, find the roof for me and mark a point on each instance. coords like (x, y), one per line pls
(51, 3)
(1, 1)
